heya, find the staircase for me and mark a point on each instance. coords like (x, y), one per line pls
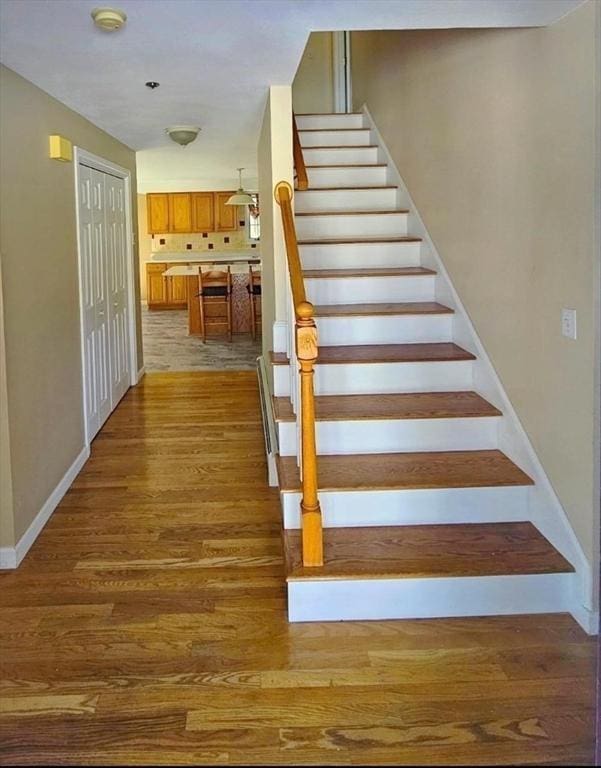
(423, 515)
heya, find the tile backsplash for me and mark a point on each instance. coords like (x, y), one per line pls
(201, 241)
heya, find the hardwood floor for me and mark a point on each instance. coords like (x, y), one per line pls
(148, 625)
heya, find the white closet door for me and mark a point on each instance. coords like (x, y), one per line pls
(101, 305)
(117, 287)
(94, 298)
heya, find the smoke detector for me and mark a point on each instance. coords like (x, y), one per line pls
(182, 134)
(108, 19)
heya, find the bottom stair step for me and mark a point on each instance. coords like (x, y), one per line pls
(427, 551)
(428, 571)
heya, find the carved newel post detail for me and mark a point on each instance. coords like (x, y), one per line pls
(306, 351)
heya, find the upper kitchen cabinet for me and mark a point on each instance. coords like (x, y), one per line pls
(158, 212)
(203, 212)
(226, 216)
(180, 212)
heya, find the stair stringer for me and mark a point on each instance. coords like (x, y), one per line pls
(545, 510)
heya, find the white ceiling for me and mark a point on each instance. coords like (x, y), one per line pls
(214, 59)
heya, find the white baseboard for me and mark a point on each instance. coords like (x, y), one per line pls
(141, 373)
(8, 558)
(588, 620)
(11, 557)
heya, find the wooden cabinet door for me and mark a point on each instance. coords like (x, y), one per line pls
(180, 212)
(226, 216)
(177, 289)
(203, 212)
(157, 204)
(156, 288)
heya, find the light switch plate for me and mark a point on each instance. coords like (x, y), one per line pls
(568, 323)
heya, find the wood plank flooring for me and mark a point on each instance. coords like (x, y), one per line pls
(147, 626)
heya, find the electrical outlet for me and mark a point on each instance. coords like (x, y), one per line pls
(568, 323)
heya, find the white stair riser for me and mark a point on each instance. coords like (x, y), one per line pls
(384, 329)
(346, 177)
(358, 509)
(329, 121)
(334, 138)
(360, 256)
(394, 435)
(377, 378)
(384, 225)
(281, 381)
(356, 290)
(345, 200)
(336, 155)
(343, 599)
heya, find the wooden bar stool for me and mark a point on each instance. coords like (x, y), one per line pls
(215, 301)
(254, 295)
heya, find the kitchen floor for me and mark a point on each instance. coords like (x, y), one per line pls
(167, 346)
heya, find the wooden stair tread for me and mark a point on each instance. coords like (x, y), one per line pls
(384, 308)
(327, 114)
(407, 405)
(369, 272)
(422, 352)
(420, 470)
(428, 551)
(386, 212)
(360, 240)
(349, 165)
(317, 130)
(341, 146)
(346, 189)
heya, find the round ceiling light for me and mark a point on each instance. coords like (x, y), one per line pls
(108, 19)
(182, 134)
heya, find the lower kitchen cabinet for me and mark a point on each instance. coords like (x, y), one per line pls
(165, 292)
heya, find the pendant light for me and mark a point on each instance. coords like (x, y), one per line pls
(241, 197)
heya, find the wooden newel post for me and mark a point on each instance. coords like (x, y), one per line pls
(306, 351)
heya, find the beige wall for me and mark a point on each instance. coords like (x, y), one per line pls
(38, 247)
(494, 133)
(7, 537)
(275, 164)
(313, 86)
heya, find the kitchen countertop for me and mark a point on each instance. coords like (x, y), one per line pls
(208, 257)
(236, 267)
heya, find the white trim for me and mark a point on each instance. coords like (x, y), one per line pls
(341, 75)
(419, 598)
(280, 336)
(83, 157)
(140, 374)
(545, 509)
(269, 426)
(11, 557)
(8, 558)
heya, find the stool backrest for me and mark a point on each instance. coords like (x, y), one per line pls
(215, 278)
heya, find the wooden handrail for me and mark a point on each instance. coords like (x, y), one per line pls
(302, 182)
(306, 352)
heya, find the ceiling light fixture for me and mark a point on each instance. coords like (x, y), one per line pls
(241, 197)
(152, 84)
(108, 19)
(182, 134)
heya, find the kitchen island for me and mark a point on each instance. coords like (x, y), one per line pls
(173, 283)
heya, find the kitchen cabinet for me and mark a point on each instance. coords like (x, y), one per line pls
(180, 212)
(226, 216)
(203, 212)
(165, 292)
(187, 212)
(157, 204)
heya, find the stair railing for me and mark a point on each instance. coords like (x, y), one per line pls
(302, 182)
(305, 332)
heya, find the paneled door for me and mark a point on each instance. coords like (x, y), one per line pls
(104, 294)
(116, 250)
(94, 299)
